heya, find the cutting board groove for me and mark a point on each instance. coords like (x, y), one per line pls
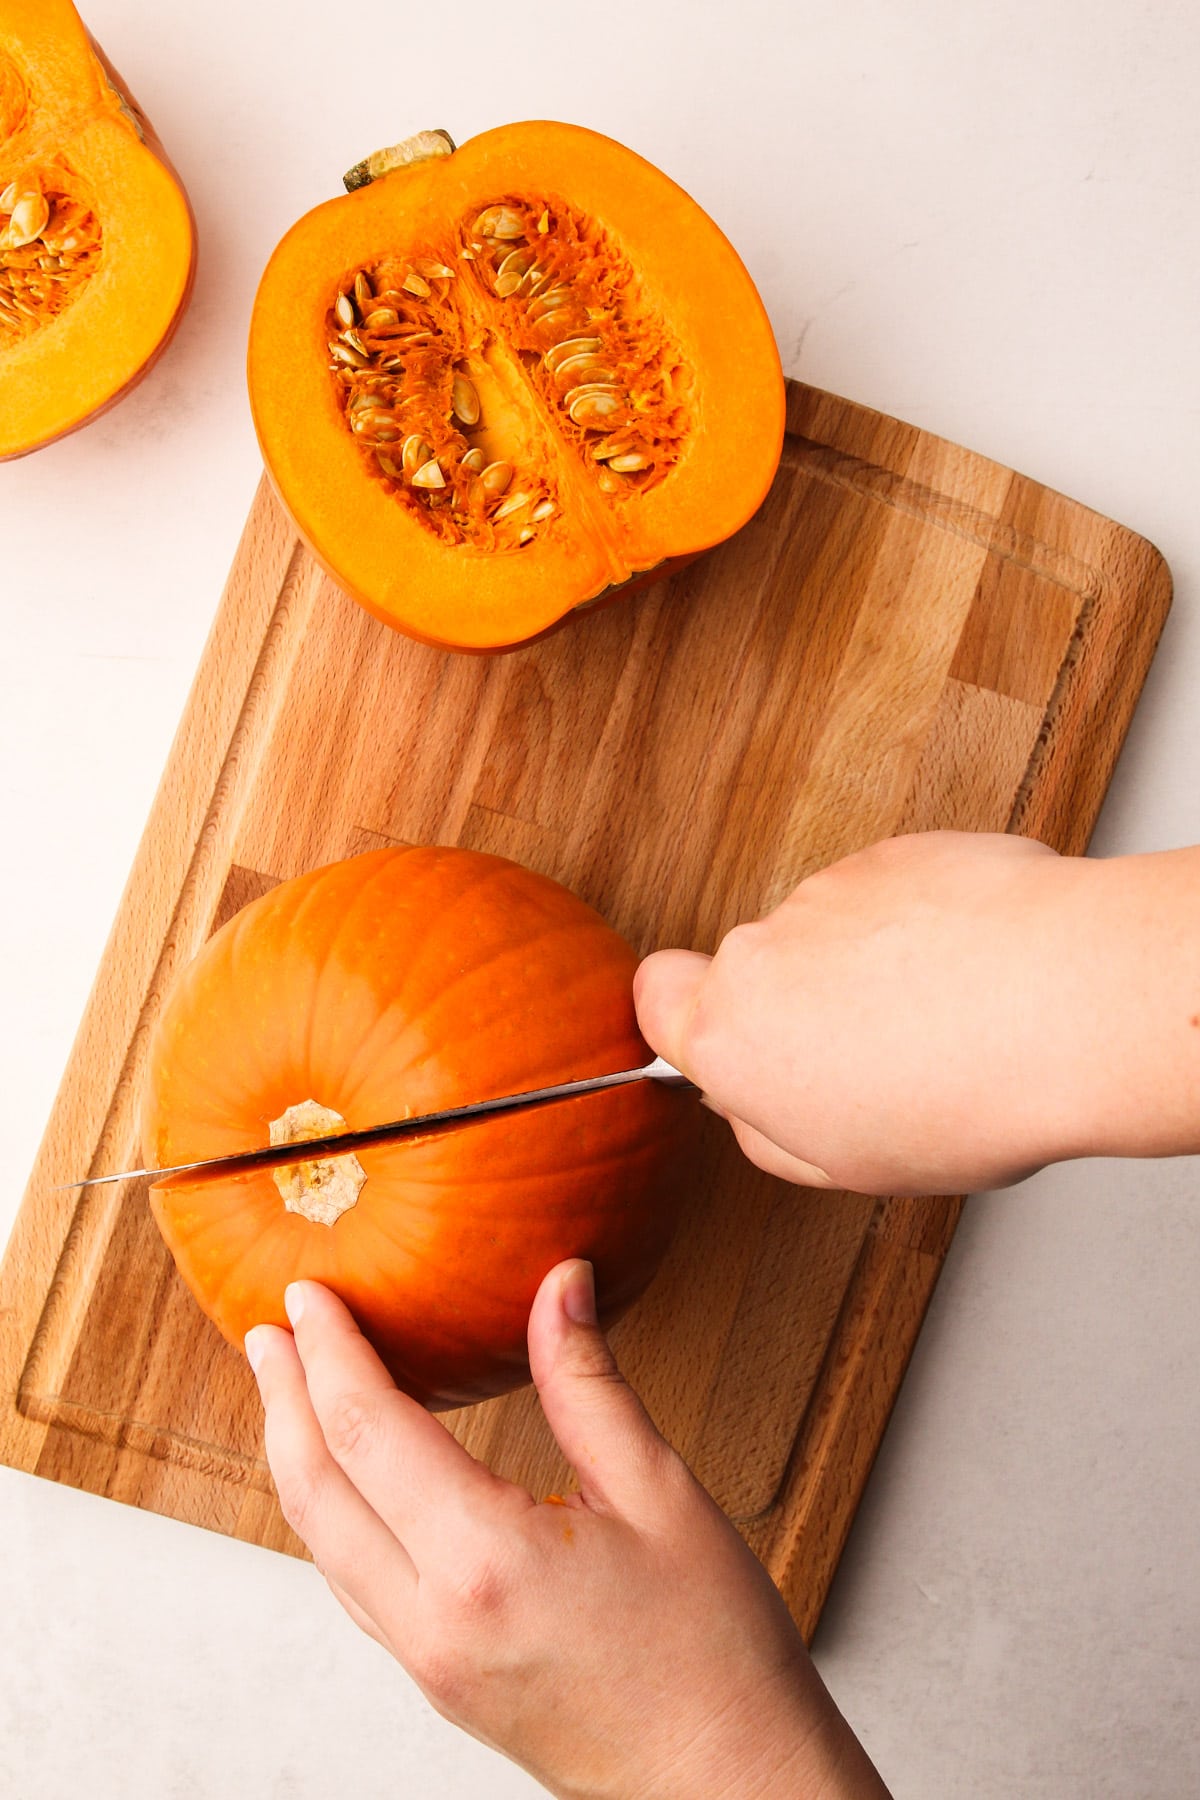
(906, 637)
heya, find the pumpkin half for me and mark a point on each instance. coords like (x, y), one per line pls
(397, 983)
(97, 248)
(496, 383)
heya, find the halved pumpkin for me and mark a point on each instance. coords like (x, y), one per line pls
(97, 247)
(495, 383)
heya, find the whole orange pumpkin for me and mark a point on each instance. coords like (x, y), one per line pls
(393, 984)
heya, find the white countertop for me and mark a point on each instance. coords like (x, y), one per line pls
(985, 220)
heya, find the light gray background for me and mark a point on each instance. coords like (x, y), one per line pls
(981, 219)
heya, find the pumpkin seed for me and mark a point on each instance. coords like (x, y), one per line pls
(382, 316)
(389, 465)
(343, 353)
(610, 483)
(499, 222)
(8, 199)
(517, 262)
(355, 342)
(543, 510)
(465, 401)
(514, 504)
(416, 284)
(375, 424)
(593, 410)
(415, 453)
(496, 477)
(364, 293)
(627, 463)
(547, 300)
(434, 271)
(30, 216)
(473, 461)
(584, 370)
(429, 475)
(343, 306)
(507, 285)
(543, 223)
(570, 347)
(559, 318)
(527, 532)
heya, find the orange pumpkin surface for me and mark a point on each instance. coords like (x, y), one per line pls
(97, 243)
(397, 983)
(496, 383)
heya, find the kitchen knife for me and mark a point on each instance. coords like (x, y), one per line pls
(280, 1156)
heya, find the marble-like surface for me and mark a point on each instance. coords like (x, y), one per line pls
(982, 219)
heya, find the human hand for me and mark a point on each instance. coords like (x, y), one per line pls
(621, 1645)
(917, 1018)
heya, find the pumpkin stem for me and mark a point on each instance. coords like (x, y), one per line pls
(421, 148)
(324, 1189)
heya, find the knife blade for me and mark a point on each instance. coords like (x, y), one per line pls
(282, 1156)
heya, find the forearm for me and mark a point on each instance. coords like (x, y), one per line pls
(1125, 1022)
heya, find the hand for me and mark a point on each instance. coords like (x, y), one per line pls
(622, 1645)
(919, 1018)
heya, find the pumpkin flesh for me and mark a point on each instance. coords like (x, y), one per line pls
(402, 982)
(614, 356)
(96, 235)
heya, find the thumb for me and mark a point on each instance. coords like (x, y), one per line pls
(601, 1426)
(665, 991)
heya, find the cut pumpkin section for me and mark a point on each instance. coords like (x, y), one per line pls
(97, 248)
(496, 383)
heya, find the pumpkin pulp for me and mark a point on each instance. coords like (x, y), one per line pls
(509, 373)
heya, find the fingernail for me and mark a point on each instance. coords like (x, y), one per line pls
(579, 1294)
(255, 1345)
(293, 1302)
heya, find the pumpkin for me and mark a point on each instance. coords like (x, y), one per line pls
(97, 248)
(497, 383)
(397, 983)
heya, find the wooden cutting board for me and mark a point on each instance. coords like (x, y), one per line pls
(906, 636)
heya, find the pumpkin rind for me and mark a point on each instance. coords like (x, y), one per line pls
(687, 276)
(401, 982)
(67, 124)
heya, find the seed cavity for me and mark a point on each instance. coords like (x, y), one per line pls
(408, 341)
(50, 245)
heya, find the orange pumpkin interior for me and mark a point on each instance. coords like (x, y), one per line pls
(495, 384)
(96, 237)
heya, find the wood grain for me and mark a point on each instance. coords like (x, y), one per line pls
(906, 637)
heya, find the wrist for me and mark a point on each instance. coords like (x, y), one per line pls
(1120, 1073)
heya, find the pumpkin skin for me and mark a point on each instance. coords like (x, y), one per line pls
(117, 213)
(696, 378)
(401, 982)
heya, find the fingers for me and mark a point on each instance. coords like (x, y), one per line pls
(350, 1542)
(358, 1614)
(400, 1458)
(768, 1156)
(665, 990)
(601, 1426)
